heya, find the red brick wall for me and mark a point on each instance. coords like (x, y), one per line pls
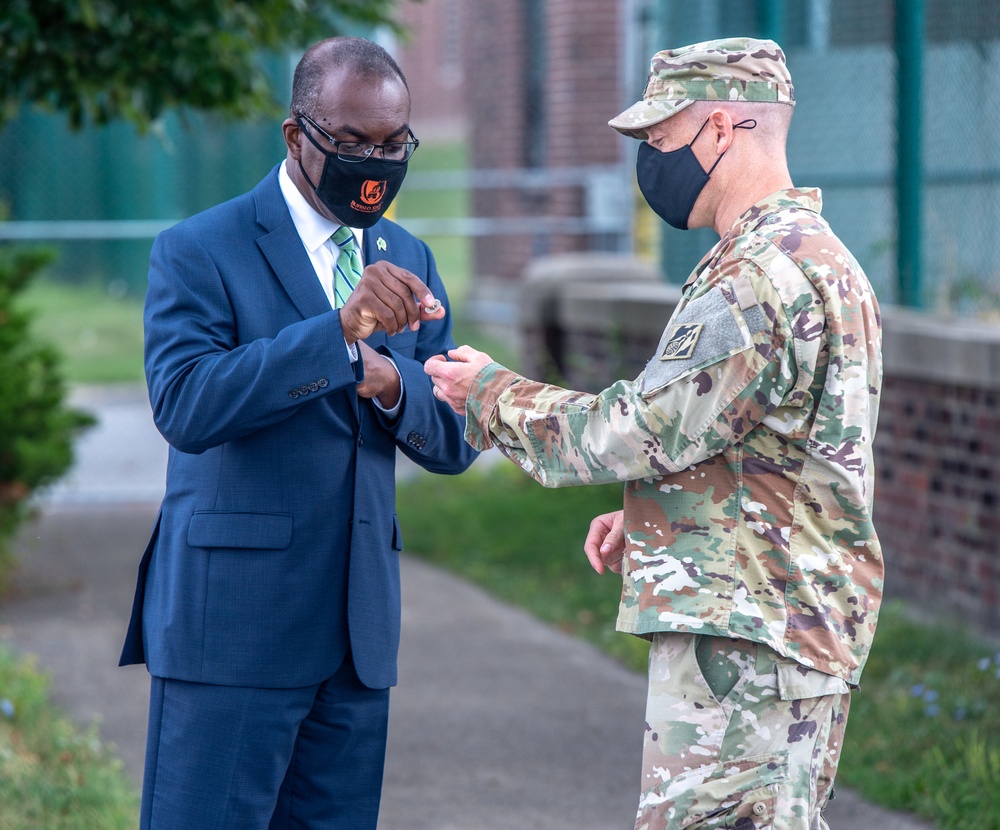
(432, 58)
(938, 495)
(581, 48)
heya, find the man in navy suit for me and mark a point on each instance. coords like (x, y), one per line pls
(267, 606)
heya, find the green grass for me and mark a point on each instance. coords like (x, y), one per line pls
(52, 774)
(524, 544)
(924, 731)
(98, 333)
(452, 254)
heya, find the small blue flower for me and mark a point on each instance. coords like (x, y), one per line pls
(932, 710)
(960, 713)
(996, 658)
(7, 708)
(917, 690)
(984, 664)
(930, 696)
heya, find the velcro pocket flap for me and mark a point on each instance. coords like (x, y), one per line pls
(797, 682)
(709, 329)
(257, 531)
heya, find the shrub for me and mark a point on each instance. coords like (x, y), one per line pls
(36, 426)
(54, 775)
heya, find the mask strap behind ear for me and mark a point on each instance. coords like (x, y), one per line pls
(745, 124)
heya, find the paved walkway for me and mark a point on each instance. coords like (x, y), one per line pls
(499, 722)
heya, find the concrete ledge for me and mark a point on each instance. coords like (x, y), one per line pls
(915, 345)
(941, 350)
(640, 308)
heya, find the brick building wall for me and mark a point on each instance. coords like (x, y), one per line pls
(937, 449)
(938, 496)
(432, 58)
(542, 81)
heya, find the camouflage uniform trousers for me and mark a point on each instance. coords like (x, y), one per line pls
(737, 737)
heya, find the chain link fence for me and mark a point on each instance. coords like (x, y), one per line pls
(845, 136)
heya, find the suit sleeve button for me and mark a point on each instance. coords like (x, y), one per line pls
(293, 393)
(322, 383)
(303, 390)
(313, 387)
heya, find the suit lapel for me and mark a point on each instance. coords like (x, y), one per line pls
(282, 247)
(373, 252)
(284, 251)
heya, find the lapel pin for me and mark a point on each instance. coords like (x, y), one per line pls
(380, 243)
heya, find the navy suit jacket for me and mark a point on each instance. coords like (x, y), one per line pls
(277, 544)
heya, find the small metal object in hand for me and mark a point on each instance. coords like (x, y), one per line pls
(430, 309)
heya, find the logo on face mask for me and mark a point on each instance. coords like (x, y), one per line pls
(356, 193)
(372, 191)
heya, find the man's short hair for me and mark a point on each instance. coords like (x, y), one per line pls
(364, 56)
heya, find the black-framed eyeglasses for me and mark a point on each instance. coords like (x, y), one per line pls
(355, 151)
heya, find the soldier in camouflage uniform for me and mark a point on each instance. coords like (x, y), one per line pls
(746, 543)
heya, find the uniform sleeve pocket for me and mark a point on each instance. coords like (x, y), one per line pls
(708, 330)
(741, 794)
(256, 531)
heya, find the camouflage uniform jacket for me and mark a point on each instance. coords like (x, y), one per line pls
(746, 445)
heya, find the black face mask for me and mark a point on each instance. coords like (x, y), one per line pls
(357, 193)
(671, 182)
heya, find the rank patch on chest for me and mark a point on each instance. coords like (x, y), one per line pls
(680, 345)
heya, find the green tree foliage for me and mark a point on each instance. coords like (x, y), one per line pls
(36, 428)
(101, 60)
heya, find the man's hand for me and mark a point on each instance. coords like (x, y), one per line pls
(390, 299)
(452, 379)
(381, 378)
(605, 545)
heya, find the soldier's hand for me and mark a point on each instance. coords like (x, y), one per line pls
(452, 378)
(390, 299)
(605, 544)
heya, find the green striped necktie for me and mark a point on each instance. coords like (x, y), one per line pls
(347, 271)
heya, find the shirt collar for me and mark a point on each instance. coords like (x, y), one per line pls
(758, 214)
(313, 228)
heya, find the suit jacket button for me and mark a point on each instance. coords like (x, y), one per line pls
(322, 383)
(313, 387)
(303, 390)
(293, 393)
(361, 440)
(416, 440)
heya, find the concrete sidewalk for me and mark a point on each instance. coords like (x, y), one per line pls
(499, 722)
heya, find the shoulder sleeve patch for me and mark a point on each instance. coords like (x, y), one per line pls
(710, 328)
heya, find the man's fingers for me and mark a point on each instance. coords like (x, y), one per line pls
(605, 541)
(391, 299)
(465, 354)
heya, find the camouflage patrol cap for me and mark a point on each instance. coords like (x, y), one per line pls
(735, 69)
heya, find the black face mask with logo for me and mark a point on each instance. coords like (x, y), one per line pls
(672, 182)
(357, 193)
